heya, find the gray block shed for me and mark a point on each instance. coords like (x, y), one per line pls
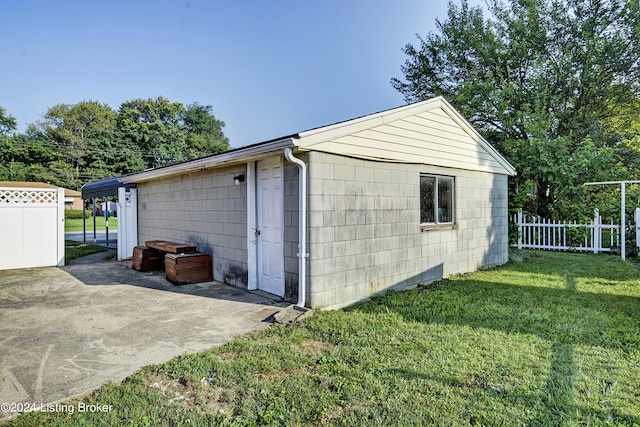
(391, 199)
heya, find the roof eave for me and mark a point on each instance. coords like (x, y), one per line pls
(245, 154)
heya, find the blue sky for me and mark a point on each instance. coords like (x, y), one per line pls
(268, 68)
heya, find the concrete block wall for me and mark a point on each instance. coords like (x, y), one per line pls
(365, 234)
(205, 209)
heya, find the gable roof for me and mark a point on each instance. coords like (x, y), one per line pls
(429, 132)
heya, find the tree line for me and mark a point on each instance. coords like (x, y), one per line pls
(78, 143)
(553, 84)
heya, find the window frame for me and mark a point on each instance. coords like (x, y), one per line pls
(436, 203)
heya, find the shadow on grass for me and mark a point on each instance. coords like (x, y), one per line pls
(564, 315)
(565, 312)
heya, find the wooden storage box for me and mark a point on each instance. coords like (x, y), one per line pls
(147, 259)
(171, 247)
(181, 269)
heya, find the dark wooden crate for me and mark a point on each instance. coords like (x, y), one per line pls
(171, 247)
(181, 269)
(147, 259)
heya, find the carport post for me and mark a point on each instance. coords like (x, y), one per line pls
(84, 221)
(94, 220)
(106, 218)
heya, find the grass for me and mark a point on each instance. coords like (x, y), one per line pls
(76, 224)
(74, 250)
(551, 340)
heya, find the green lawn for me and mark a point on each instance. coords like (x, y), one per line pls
(76, 224)
(552, 340)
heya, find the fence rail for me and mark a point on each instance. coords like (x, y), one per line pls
(540, 233)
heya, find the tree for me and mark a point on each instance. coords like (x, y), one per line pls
(72, 144)
(25, 159)
(156, 128)
(116, 156)
(7, 123)
(166, 132)
(205, 135)
(625, 123)
(538, 79)
(79, 131)
(77, 143)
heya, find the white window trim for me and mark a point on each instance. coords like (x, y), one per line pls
(425, 226)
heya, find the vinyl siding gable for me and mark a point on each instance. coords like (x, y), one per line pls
(430, 133)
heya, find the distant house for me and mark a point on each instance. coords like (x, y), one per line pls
(72, 199)
(391, 199)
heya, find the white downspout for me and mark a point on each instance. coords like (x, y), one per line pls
(302, 226)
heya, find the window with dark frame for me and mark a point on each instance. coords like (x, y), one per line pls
(436, 199)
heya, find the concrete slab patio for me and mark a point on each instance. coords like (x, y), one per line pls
(67, 331)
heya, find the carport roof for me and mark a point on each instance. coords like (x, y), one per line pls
(103, 188)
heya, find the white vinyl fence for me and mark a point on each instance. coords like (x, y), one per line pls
(31, 227)
(594, 236)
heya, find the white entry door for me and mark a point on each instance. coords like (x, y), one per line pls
(270, 229)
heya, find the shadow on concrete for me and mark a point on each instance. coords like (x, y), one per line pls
(94, 270)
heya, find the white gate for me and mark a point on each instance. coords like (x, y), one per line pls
(31, 227)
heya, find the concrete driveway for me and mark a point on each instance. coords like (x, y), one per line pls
(67, 331)
(109, 240)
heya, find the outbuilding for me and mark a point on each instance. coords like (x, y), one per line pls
(330, 216)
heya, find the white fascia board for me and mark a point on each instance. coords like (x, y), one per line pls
(240, 155)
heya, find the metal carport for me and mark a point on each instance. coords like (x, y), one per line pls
(126, 208)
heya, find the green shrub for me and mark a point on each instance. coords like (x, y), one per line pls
(75, 214)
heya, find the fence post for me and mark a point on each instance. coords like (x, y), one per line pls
(520, 229)
(637, 217)
(597, 231)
